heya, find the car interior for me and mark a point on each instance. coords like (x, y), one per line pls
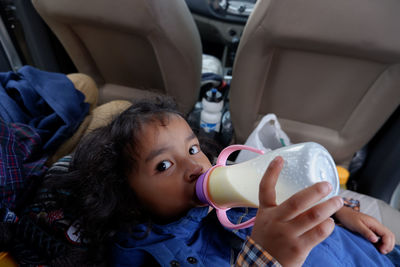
(107, 47)
(330, 75)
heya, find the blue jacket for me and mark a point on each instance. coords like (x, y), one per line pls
(199, 239)
(344, 248)
(194, 240)
(46, 101)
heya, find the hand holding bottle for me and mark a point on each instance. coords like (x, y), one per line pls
(225, 187)
(289, 231)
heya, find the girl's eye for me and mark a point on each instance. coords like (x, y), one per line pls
(194, 150)
(163, 165)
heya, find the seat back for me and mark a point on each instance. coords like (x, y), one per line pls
(130, 48)
(328, 69)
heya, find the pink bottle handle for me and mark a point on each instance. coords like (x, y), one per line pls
(221, 161)
(223, 156)
(223, 219)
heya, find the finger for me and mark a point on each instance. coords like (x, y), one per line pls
(387, 241)
(317, 234)
(368, 233)
(267, 194)
(303, 200)
(316, 215)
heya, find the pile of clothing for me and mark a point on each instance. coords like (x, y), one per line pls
(38, 112)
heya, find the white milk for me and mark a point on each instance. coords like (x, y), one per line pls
(304, 164)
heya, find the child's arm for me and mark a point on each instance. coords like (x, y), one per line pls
(368, 227)
(289, 231)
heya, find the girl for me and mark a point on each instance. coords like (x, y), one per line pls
(132, 185)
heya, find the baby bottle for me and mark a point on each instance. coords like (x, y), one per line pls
(225, 187)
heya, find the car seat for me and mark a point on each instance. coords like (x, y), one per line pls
(130, 48)
(329, 70)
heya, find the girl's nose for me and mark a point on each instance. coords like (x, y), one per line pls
(193, 171)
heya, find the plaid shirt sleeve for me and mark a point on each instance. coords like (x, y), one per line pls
(254, 255)
(20, 160)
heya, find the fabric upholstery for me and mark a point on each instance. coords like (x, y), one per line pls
(148, 45)
(330, 74)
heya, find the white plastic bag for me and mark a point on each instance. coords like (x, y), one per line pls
(267, 136)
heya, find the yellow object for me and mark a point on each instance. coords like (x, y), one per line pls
(343, 174)
(6, 260)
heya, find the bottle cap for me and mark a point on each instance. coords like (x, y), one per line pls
(213, 95)
(200, 190)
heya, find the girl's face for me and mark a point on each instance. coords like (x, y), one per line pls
(170, 161)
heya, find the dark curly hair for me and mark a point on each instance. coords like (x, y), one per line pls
(97, 182)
